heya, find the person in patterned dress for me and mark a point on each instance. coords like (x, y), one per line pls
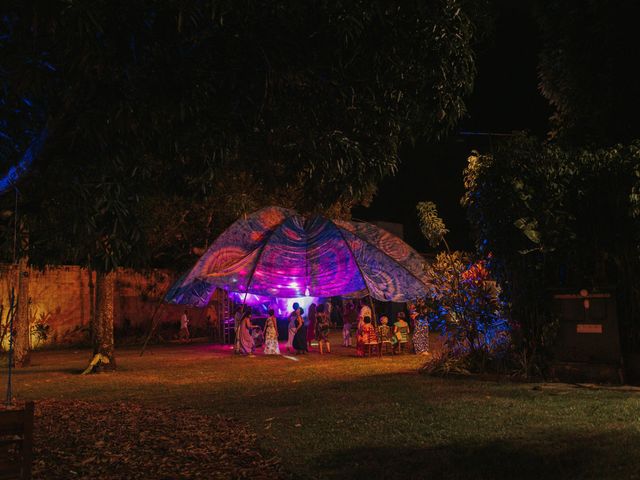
(368, 336)
(271, 346)
(420, 332)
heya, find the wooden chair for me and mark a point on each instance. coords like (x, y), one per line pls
(403, 347)
(404, 339)
(386, 347)
(371, 340)
(370, 347)
(384, 340)
(16, 443)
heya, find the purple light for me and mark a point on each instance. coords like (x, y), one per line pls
(277, 253)
(281, 306)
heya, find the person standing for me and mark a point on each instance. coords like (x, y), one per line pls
(335, 315)
(300, 337)
(245, 338)
(184, 327)
(328, 309)
(212, 322)
(293, 318)
(420, 332)
(346, 332)
(350, 319)
(271, 346)
(237, 319)
(311, 323)
(322, 330)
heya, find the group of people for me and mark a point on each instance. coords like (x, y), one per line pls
(245, 342)
(358, 318)
(368, 335)
(301, 335)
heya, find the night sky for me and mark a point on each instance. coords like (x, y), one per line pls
(505, 99)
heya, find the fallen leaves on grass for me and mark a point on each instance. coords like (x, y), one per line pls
(82, 440)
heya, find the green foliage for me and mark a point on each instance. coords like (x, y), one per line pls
(587, 69)
(181, 116)
(556, 218)
(447, 363)
(431, 225)
(464, 305)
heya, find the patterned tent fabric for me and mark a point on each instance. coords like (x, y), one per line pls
(276, 252)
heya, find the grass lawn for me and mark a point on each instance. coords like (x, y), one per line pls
(342, 417)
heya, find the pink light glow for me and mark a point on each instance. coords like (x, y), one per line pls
(281, 306)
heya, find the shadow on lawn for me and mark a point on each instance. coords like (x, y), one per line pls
(563, 457)
(36, 369)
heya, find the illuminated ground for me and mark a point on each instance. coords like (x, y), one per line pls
(339, 416)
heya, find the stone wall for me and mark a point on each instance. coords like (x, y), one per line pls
(60, 298)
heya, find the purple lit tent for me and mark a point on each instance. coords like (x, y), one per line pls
(276, 252)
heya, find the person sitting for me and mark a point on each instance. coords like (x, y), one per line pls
(368, 335)
(401, 331)
(349, 319)
(384, 333)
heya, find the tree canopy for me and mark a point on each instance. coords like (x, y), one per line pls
(587, 69)
(167, 119)
(558, 218)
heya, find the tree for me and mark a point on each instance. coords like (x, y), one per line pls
(463, 303)
(21, 353)
(185, 114)
(587, 69)
(553, 218)
(431, 225)
(305, 95)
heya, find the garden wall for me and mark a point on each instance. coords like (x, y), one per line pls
(59, 297)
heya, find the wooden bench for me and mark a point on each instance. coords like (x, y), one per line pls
(16, 443)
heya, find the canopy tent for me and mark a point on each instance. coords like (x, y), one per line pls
(277, 252)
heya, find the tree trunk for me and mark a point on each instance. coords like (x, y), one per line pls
(22, 347)
(92, 304)
(102, 324)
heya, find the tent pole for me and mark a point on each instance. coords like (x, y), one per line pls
(373, 310)
(10, 315)
(154, 325)
(253, 271)
(374, 320)
(236, 339)
(255, 267)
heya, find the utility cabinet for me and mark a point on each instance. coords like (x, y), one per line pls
(588, 343)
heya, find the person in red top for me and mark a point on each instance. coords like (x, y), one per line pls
(366, 336)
